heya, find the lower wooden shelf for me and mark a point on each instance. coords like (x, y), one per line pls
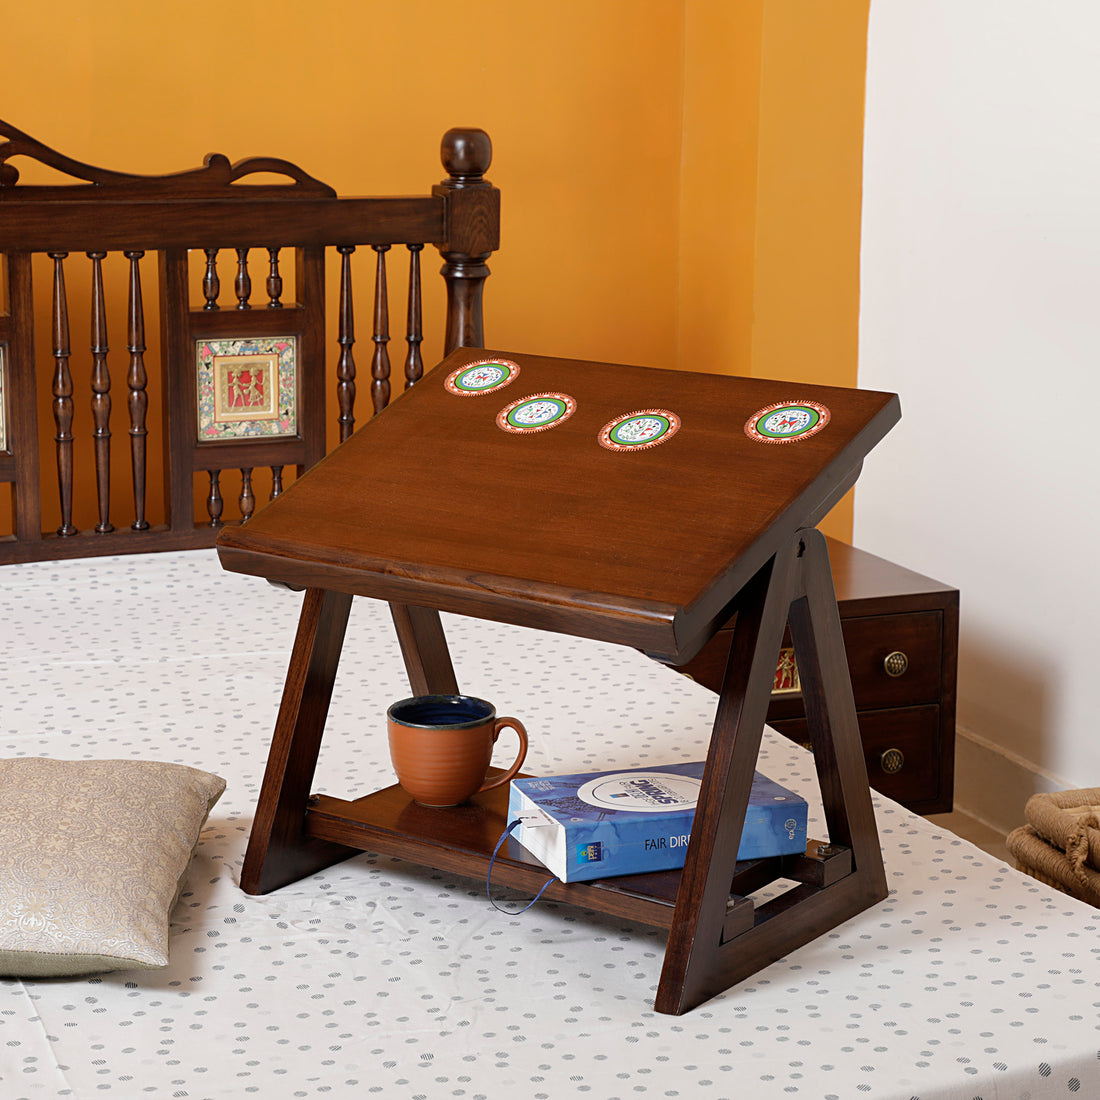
(461, 840)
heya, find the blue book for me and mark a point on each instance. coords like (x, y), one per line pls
(632, 822)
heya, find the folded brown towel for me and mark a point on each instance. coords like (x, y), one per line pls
(1068, 820)
(1045, 862)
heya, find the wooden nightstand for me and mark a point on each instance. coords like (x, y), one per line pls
(901, 634)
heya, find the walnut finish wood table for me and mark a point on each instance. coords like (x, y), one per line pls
(630, 505)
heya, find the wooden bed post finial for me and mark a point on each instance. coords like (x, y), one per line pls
(466, 154)
(472, 226)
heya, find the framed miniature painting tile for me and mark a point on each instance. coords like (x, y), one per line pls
(247, 387)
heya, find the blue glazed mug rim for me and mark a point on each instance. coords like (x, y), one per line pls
(484, 711)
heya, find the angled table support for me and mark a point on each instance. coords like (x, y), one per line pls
(424, 649)
(278, 851)
(707, 952)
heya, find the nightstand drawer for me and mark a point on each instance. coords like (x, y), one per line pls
(894, 661)
(902, 749)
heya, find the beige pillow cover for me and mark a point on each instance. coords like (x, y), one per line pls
(92, 858)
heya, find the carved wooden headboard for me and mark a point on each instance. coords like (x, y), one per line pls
(236, 382)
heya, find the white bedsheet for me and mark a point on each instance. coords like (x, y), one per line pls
(379, 978)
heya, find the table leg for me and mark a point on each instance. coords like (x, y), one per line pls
(709, 946)
(424, 648)
(278, 851)
(697, 932)
(831, 717)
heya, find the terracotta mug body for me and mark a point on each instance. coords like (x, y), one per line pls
(441, 747)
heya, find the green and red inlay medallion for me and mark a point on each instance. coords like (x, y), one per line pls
(484, 376)
(638, 431)
(787, 421)
(536, 413)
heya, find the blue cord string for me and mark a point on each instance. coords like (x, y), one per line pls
(489, 877)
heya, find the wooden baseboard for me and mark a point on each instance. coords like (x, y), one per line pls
(992, 785)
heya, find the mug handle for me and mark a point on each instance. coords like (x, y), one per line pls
(517, 725)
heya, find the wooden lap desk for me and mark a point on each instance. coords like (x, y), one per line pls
(446, 501)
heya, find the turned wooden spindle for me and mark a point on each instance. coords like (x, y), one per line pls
(380, 360)
(214, 502)
(345, 367)
(473, 214)
(247, 499)
(62, 395)
(101, 396)
(136, 381)
(211, 284)
(414, 365)
(276, 482)
(242, 285)
(274, 280)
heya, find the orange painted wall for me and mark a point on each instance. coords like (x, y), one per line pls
(806, 312)
(582, 101)
(719, 185)
(680, 178)
(771, 192)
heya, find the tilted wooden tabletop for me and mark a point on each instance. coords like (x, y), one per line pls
(434, 503)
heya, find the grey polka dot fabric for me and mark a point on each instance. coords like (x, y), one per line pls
(381, 978)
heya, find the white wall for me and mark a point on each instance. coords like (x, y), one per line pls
(980, 306)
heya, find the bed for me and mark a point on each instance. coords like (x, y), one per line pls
(379, 978)
(376, 977)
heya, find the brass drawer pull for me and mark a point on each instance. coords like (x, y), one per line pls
(892, 761)
(896, 663)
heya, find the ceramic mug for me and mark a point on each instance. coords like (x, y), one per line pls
(441, 747)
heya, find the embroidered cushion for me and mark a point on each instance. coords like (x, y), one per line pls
(93, 855)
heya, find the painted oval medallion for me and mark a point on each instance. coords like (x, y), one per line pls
(484, 376)
(787, 421)
(536, 413)
(637, 431)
